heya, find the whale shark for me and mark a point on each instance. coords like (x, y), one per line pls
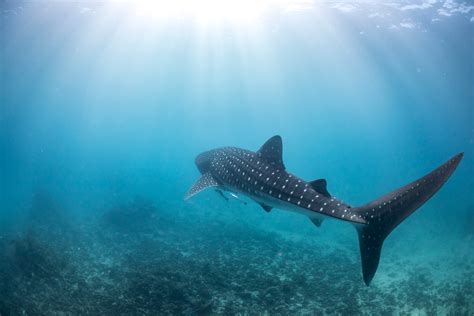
(262, 177)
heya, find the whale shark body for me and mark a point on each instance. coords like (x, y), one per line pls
(262, 176)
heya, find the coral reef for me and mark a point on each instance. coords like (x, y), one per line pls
(181, 265)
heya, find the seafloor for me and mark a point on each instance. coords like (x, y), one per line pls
(142, 259)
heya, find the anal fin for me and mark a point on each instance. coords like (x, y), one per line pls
(266, 207)
(317, 221)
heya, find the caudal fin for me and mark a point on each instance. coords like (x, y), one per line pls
(385, 213)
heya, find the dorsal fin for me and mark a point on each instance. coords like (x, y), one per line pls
(272, 151)
(320, 186)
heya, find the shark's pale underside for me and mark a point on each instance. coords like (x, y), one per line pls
(262, 176)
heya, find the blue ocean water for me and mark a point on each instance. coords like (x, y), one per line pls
(104, 106)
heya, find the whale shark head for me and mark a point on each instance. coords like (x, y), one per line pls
(203, 161)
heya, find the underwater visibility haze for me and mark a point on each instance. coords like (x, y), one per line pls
(104, 106)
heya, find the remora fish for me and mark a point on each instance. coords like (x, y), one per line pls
(262, 176)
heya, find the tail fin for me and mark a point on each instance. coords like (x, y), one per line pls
(385, 213)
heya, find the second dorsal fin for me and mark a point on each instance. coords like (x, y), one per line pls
(320, 186)
(272, 151)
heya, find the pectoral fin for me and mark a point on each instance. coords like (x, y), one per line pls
(204, 182)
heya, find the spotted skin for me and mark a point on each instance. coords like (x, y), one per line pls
(246, 172)
(204, 182)
(262, 176)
